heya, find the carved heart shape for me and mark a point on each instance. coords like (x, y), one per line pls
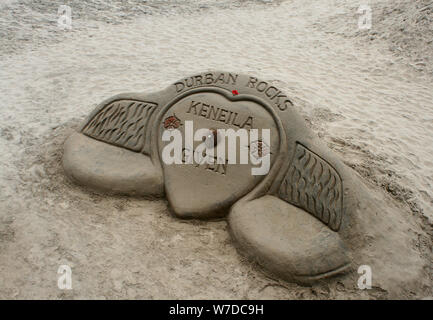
(200, 190)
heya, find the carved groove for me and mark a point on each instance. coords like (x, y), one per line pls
(123, 123)
(312, 184)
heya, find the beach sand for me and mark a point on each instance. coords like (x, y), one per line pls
(367, 93)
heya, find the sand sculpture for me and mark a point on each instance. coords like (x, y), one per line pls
(295, 221)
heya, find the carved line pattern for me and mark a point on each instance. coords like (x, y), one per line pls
(122, 123)
(312, 184)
